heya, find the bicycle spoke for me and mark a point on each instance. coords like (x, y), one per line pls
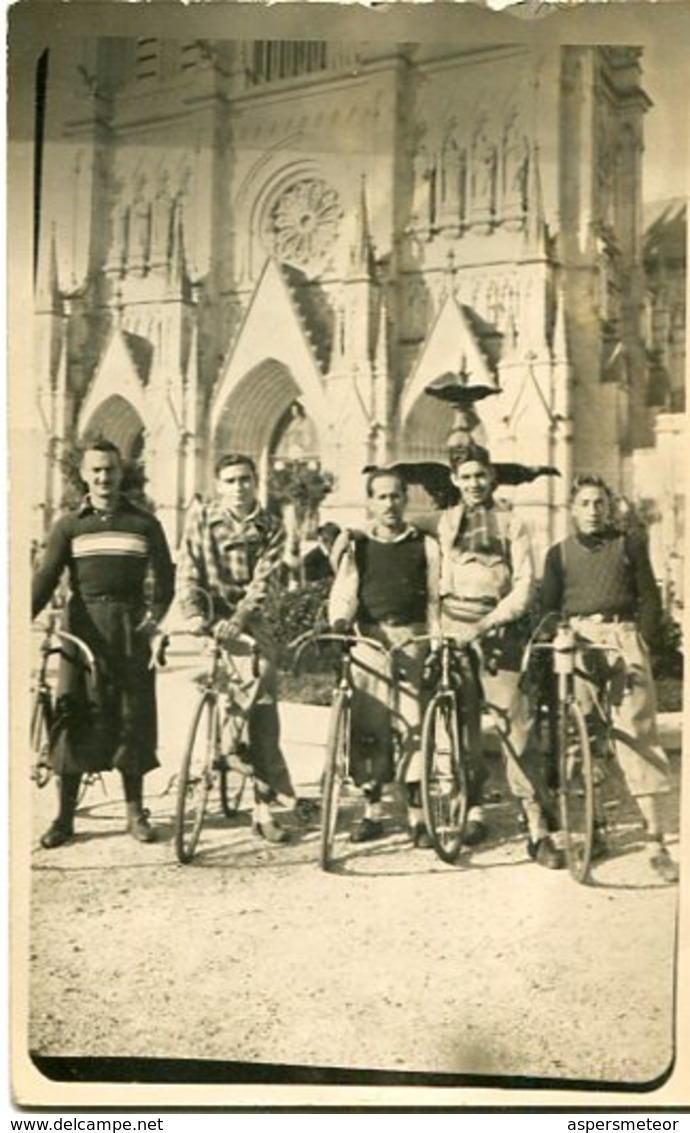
(444, 792)
(576, 792)
(195, 778)
(337, 758)
(41, 770)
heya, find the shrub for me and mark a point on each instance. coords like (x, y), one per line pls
(294, 612)
(668, 658)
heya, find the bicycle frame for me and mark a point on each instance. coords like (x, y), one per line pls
(218, 697)
(42, 770)
(337, 770)
(578, 777)
(444, 771)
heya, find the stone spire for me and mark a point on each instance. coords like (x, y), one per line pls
(361, 249)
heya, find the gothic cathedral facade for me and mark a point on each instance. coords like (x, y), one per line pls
(275, 246)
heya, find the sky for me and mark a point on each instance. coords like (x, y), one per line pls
(666, 168)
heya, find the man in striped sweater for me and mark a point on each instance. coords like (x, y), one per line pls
(108, 546)
(231, 553)
(601, 579)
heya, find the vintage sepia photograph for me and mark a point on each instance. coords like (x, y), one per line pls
(347, 355)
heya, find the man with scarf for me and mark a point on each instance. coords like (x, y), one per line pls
(231, 552)
(486, 588)
(108, 546)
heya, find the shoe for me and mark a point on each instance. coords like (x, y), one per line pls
(270, 832)
(475, 832)
(56, 835)
(663, 864)
(545, 853)
(421, 839)
(140, 828)
(368, 830)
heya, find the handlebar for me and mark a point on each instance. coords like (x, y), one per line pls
(566, 643)
(241, 646)
(48, 649)
(440, 640)
(349, 641)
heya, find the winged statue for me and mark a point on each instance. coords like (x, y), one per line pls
(435, 478)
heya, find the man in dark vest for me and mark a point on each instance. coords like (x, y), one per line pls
(387, 584)
(601, 579)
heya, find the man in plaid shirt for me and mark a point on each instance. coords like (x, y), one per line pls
(232, 550)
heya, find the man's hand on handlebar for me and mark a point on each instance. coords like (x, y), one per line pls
(342, 626)
(226, 630)
(196, 625)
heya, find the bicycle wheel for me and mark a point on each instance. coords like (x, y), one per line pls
(444, 778)
(337, 759)
(575, 789)
(195, 779)
(41, 770)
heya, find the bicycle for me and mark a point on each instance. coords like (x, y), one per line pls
(582, 744)
(336, 774)
(216, 741)
(444, 778)
(43, 709)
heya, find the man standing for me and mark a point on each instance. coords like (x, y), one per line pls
(487, 586)
(601, 580)
(316, 564)
(387, 583)
(231, 552)
(108, 547)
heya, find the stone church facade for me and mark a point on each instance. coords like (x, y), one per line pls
(275, 246)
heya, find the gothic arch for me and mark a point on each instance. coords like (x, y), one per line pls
(120, 377)
(450, 346)
(118, 420)
(272, 173)
(289, 372)
(254, 409)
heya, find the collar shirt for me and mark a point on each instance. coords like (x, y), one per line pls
(344, 598)
(233, 560)
(487, 566)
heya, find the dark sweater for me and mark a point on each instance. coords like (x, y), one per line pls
(107, 555)
(608, 574)
(392, 579)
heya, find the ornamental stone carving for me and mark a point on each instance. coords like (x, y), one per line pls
(302, 224)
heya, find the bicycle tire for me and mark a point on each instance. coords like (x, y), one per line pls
(41, 770)
(444, 777)
(575, 789)
(195, 778)
(337, 759)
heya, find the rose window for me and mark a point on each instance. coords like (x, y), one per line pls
(302, 224)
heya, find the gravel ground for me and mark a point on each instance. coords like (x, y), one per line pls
(396, 962)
